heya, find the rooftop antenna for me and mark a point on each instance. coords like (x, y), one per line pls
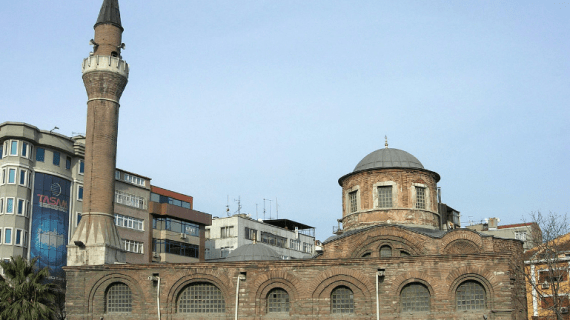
(77, 133)
(228, 206)
(269, 207)
(239, 204)
(263, 208)
(386, 141)
(54, 128)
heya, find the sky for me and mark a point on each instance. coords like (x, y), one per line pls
(278, 99)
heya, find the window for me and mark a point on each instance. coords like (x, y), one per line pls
(155, 197)
(134, 179)
(176, 225)
(385, 252)
(250, 234)
(117, 174)
(470, 295)
(24, 149)
(307, 247)
(404, 254)
(3, 176)
(1, 238)
(9, 205)
(130, 200)
(225, 251)
(56, 158)
(420, 198)
(129, 222)
(18, 240)
(1, 151)
(277, 301)
(67, 163)
(13, 148)
(8, 236)
(520, 235)
(1, 205)
(227, 232)
(552, 276)
(81, 167)
(40, 154)
(207, 235)
(133, 246)
(385, 197)
(353, 201)
(80, 193)
(201, 297)
(28, 208)
(78, 218)
(367, 254)
(118, 298)
(295, 244)
(21, 206)
(25, 239)
(11, 175)
(23, 177)
(342, 300)
(273, 240)
(415, 297)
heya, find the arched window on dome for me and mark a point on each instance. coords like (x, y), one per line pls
(201, 297)
(277, 301)
(385, 251)
(415, 297)
(342, 300)
(118, 298)
(470, 295)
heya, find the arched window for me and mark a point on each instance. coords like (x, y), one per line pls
(201, 297)
(470, 295)
(404, 254)
(385, 251)
(415, 297)
(277, 301)
(118, 298)
(342, 300)
(367, 254)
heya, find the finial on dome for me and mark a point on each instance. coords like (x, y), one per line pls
(386, 143)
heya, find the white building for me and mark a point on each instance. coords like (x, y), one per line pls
(292, 240)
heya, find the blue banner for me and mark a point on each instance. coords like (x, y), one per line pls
(50, 223)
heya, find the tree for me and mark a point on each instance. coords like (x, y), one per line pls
(25, 292)
(546, 267)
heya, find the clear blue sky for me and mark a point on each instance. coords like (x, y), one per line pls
(278, 99)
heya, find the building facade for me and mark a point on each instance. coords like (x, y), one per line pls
(529, 232)
(290, 239)
(42, 193)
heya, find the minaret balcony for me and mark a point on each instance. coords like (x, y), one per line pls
(105, 63)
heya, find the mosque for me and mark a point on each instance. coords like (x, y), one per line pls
(399, 254)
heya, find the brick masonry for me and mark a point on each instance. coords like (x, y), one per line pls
(309, 283)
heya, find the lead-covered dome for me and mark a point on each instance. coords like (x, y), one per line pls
(388, 158)
(253, 251)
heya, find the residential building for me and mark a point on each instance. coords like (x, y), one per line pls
(178, 231)
(547, 282)
(529, 233)
(290, 239)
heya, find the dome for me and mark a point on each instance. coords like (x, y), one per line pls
(388, 158)
(253, 251)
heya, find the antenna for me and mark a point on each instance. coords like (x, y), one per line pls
(77, 133)
(228, 206)
(54, 128)
(256, 215)
(239, 204)
(263, 208)
(269, 207)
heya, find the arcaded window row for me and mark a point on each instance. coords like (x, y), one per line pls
(205, 297)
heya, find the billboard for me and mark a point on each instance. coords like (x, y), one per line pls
(50, 223)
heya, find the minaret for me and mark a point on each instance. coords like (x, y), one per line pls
(96, 240)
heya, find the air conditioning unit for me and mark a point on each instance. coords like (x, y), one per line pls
(183, 236)
(564, 310)
(545, 285)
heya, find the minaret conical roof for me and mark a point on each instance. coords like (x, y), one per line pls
(110, 14)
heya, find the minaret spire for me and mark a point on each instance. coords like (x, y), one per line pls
(110, 14)
(96, 240)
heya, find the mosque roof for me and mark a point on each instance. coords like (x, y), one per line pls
(253, 251)
(388, 158)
